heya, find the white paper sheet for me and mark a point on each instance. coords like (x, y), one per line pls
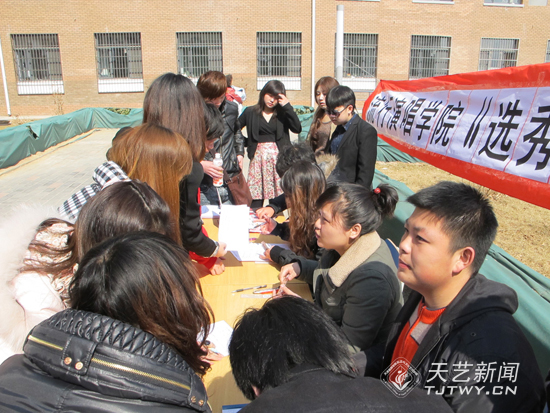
(234, 226)
(219, 337)
(253, 251)
(210, 211)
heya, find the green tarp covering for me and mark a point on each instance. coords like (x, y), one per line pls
(533, 289)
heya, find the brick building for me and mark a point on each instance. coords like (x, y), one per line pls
(69, 55)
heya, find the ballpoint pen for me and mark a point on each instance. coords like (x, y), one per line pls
(248, 288)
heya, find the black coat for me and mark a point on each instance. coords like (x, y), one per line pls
(313, 389)
(476, 327)
(356, 154)
(286, 120)
(78, 361)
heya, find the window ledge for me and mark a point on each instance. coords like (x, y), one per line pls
(433, 2)
(119, 85)
(290, 82)
(503, 5)
(40, 87)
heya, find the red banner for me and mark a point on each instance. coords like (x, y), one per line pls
(489, 127)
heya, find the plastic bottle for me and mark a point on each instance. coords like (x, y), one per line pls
(218, 161)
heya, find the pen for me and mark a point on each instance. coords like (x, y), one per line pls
(248, 288)
(271, 290)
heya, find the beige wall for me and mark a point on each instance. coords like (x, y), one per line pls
(465, 21)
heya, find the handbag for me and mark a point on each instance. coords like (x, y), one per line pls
(238, 187)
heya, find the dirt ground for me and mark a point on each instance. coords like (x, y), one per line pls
(524, 229)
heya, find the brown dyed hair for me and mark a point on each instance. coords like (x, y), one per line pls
(147, 280)
(120, 208)
(174, 102)
(302, 184)
(326, 83)
(158, 156)
(212, 85)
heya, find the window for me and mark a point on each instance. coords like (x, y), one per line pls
(498, 53)
(503, 2)
(547, 59)
(119, 67)
(430, 56)
(37, 64)
(279, 56)
(199, 52)
(360, 54)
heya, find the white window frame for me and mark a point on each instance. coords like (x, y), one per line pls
(283, 48)
(502, 3)
(37, 61)
(496, 53)
(547, 58)
(424, 48)
(119, 62)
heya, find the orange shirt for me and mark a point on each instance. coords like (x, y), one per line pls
(414, 331)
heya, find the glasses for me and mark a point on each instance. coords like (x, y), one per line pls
(334, 113)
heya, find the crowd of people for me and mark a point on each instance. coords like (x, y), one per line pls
(102, 300)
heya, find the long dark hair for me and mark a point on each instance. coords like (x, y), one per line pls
(120, 208)
(286, 332)
(354, 204)
(147, 280)
(173, 101)
(274, 88)
(326, 83)
(302, 184)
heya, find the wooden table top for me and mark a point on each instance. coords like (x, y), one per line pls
(228, 306)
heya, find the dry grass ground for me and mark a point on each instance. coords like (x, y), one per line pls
(524, 229)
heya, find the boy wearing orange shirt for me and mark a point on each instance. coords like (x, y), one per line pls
(456, 333)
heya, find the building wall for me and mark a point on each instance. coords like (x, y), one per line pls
(465, 21)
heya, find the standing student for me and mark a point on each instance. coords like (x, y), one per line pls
(456, 322)
(353, 141)
(129, 342)
(267, 125)
(174, 102)
(321, 127)
(355, 280)
(212, 86)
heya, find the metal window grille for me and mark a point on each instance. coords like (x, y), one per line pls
(199, 52)
(503, 1)
(430, 56)
(37, 64)
(498, 53)
(119, 62)
(360, 53)
(547, 59)
(279, 56)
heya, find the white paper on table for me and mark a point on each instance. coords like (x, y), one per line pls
(219, 337)
(210, 211)
(234, 226)
(253, 251)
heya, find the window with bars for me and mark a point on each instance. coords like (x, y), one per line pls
(199, 52)
(430, 56)
(547, 59)
(503, 2)
(360, 58)
(279, 56)
(119, 63)
(498, 53)
(37, 64)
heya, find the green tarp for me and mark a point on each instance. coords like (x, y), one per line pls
(532, 288)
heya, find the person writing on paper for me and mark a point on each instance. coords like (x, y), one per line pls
(355, 280)
(302, 363)
(302, 184)
(129, 342)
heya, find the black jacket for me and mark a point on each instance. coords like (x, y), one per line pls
(192, 237)
(230, 144)
(78, 361)
(286, 120)
(313, 389)
(284, 256)
(476, 327)
(356, 154)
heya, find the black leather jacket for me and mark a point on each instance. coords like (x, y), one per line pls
(86, 362)
(230, 144)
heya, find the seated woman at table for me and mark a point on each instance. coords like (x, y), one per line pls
(129, 342)
(355, 280)
(302, 184)
(38, 289)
